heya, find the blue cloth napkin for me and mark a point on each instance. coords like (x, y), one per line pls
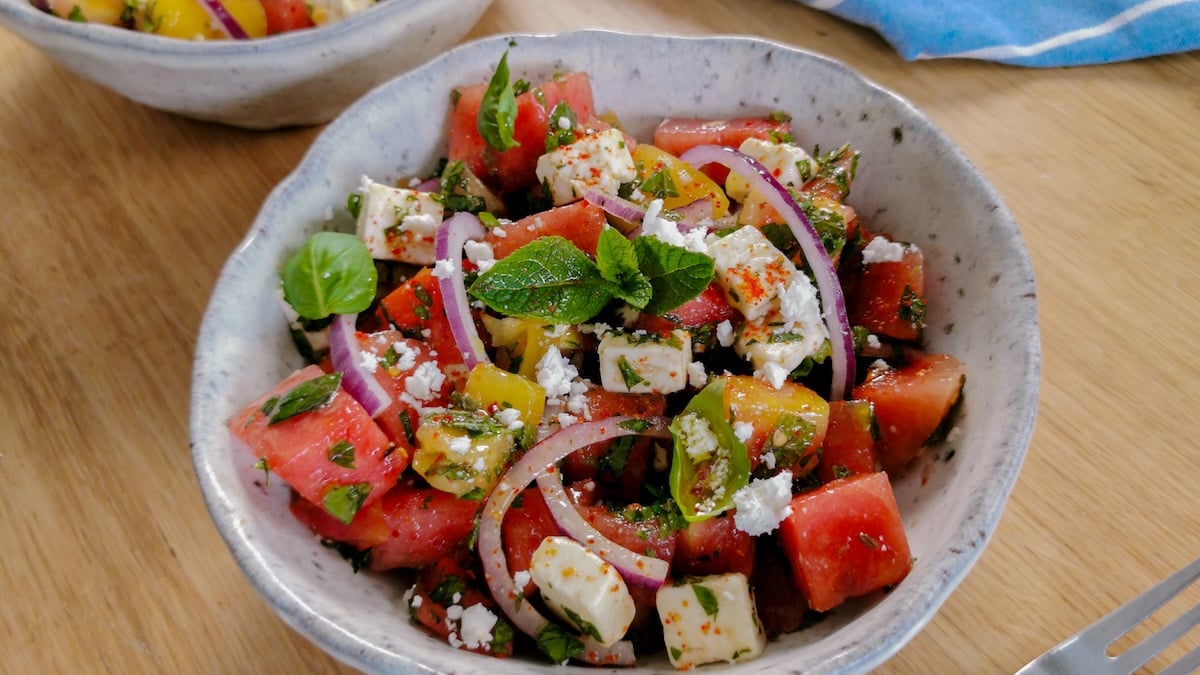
(1038, 33)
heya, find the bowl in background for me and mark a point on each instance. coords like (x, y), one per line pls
(912, 183)
(302, 77)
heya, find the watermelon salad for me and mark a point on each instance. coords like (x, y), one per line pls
(206, 19)
(593, 391)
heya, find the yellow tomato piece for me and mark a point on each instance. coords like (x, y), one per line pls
(91, 11)
(521, 343)
(789, 422)
(488, 385)
(189, 20)
(689, 183)
(453, 459)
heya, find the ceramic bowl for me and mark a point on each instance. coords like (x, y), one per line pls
(913, 182)
(300, 78)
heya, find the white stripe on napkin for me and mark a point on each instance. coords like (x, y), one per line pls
(825, 4)
(1012, 51)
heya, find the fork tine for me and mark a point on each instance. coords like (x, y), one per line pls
(1188, 663)
(1137, 655)
(1132, 613)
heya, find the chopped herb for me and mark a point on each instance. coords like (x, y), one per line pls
(305, 397)
(77, 15)
(557, 644)
(342, 454)
(475, 494)
(618, 455)
(557, 135)
(449, 586)
(358, 559)
(779, 117)
(660, 185)
(676, 652)
(708, 599)
(410, 434)
(261, 465)
(629, 374)
(840, 471)
(586, 627)
(354, 204)
(521, 86)
(912, 307)
(344, 501)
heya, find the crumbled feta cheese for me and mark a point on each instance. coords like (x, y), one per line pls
(454, 612)
(444, 269)
(476, 626)
(459, 445)
(368, 361)
(425, 383)
(743, 431)
(725, 335)
(773, 374)
(873, 341)
(521, 578)
(697, 376)
(406, 356)
(880, 250)
(499, 232)
(510, 418)
(667, 231)
(768, 460)
(555, 373)
(763, 504)
(749, 269)
(565, 419)
(698, 438)
(480, 253)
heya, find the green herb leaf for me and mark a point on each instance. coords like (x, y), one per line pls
(675, 274)
(354, 204)
(332, 273)
(358, 559)
(703, 480)
(676, 652)
(557, 644)
(344, 501)
(629, 374)
(557, 135)
(617, 260)
(708, 599)
(342, 454)
(498, 111)
(447, 587)
(548, 279)
(659, 185)
(76, 14)
(304, 397)
(585, 627)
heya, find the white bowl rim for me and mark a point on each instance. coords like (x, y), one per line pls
(952, 568)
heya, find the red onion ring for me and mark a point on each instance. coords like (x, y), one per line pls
(451, 236)
(696, 211)
(536, 461)
(225, 20)
(617, 207)
(780, 199)
(357, 380)
(635, 568)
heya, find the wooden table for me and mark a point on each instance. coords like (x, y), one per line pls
(116, 220)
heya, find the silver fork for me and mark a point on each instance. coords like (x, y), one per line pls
(1085, 652)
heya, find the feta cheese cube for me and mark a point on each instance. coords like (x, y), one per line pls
(708, 620)
(749, 269)
(599, 161)
(787, 162)
(771, 340)
(398, 224)
(582, 588)
(641, 362)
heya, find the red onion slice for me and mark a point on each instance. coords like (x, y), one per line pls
(695, 211)
(810, 243)
(536, 461)
(345, 353)
(451, 236)
(224, 19)
(635, 568)
(617, 207)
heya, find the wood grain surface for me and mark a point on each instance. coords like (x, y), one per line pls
(116, 220)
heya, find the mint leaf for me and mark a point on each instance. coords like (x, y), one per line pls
(342, 454)
(675, 273)
(497, 115)
(708, 599)
(332, 273)
(557, 644)
(548, 279)
(618, 262)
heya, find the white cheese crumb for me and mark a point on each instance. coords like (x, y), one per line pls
(477, 624)
(480, 253)
(425, 382)
(763, 504)
(555, 373)
(521, 579)
(768, 460)
(773, 374)
(881, 250)
(697, 376)
(873, 341)
(725, 333)
(566, 419)
(367, 361)
(701, 441)
(510, 418)
(743, 431)
(459, 445)
(444, 269)
(406, 356)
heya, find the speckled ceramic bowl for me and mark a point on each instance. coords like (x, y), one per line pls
(913, 182)
(299, 78)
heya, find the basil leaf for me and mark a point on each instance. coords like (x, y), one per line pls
(675, 274)
(344, 501)
(342, 454)
(304, 397)
(557, 644)
(332, 273)
(709, 464)
(618, 262)
(708, 599)
(548, 279)
(498, 110)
